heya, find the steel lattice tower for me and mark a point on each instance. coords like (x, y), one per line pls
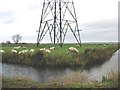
(58, 16)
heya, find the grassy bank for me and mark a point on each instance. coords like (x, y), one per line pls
(67, 82)
(88, 54)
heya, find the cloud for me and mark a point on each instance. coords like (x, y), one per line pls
(103, 30)
(107, 37)
(34, 7)
(97, 19)
(103, 24)
(7, 17)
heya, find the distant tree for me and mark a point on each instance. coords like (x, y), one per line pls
(2, 43)
(8, 42)
(16, 38)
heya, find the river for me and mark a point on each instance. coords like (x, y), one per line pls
(43, 74)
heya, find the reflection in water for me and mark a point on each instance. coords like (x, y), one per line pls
(42, 74)
(96, 73)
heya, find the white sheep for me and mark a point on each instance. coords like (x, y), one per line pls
(78, 45)
(52, 48)
(104, 45)
(24, 47)
(72, 49)
(47, 51)
(2, 51)
(42, 49)
(14, 51)
(32, 50)
(17, 47)
(23, 52)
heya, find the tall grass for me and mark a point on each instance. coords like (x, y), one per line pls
(73, 80)
(74, 77)
(112, 75)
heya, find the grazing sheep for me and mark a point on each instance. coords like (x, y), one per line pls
(72, 49)
(32, 50)
(78, 45)
(14, 51)
(24, 47)
(47, 51)
(42, 49)
(2, 51)
(23, 52)
(17, 47)
(52, 48)
(104, 45)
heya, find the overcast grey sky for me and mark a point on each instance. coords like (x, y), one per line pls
(98, 20)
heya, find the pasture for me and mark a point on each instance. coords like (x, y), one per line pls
(58, 56)
(58, 50)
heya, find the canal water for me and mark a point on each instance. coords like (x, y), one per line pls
(43, 74)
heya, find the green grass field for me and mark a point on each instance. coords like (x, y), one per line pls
(8, 47)
(59, 56)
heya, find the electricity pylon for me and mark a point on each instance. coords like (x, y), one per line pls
(58, 16)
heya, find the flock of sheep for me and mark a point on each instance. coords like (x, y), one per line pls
(46, 51)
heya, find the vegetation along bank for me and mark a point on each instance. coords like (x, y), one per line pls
(70, 81)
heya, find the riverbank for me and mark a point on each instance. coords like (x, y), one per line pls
(108, 82)
(88, 54)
